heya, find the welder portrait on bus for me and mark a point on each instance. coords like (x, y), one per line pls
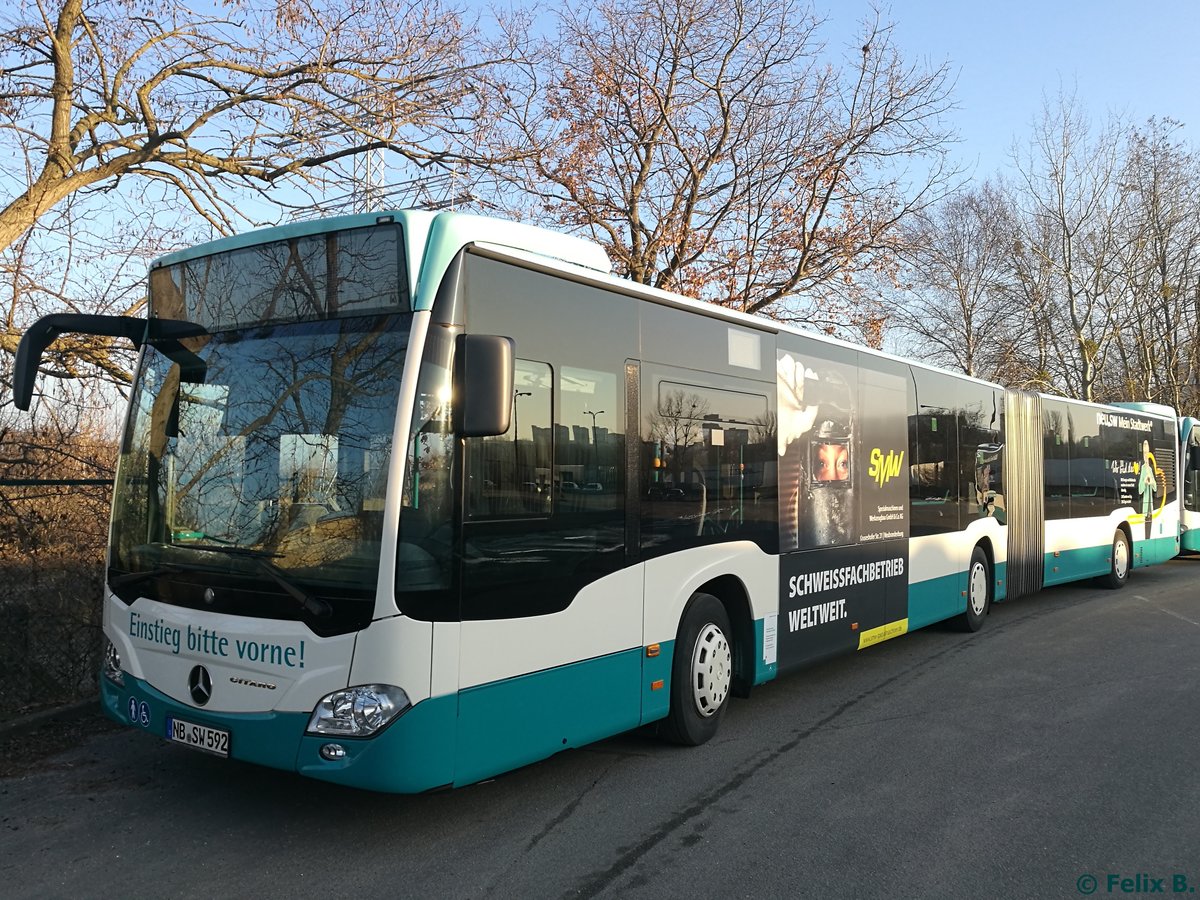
(816, 450)
(831, 461)
(829, 501)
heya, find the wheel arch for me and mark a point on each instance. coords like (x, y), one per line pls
(1124, 526)
(989, 552)
(734, 596)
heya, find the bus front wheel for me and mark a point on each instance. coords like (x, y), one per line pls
(701, 672)
(1118, 570)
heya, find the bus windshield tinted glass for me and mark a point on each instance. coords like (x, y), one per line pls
(255, 465)
(319, 276)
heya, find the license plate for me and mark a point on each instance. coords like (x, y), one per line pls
(201, 737)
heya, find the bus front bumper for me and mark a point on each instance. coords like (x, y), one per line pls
(414, 753)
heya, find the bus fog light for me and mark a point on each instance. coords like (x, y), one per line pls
(358, 711)
(333, 752)
(112, 665)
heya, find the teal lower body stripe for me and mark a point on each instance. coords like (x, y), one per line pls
(936, 599)
(1189, 541)
(510, 723)
(454, 739)
(414, 753)
(1091, 562)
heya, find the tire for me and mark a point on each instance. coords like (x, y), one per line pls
(701, 673)
(1119, 562)
(979, 593)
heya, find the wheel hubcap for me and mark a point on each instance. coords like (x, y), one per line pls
(1120, 559)
(712, 670)
(979, 588)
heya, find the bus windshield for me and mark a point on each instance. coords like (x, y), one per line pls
(253, 471)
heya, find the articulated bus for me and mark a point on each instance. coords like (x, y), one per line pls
(408, 500)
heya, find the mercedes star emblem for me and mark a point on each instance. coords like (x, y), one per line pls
(200, 685)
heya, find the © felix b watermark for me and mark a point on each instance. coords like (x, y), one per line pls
(1140, 883)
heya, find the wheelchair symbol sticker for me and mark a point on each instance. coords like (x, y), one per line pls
(139, 712)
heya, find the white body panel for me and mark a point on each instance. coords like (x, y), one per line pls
(1095, 531)
(447, 640)
(940, 555)
(398, 651)
(671, 581)
(605, 617)
(291, 668)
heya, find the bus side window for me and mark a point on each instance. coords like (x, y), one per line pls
(1056, 440)
(508, 476)
(709, 471)
(589, 450)
(1089, 472)
(1191, 497)
(935, 490)
(981, 453)
(545, 502)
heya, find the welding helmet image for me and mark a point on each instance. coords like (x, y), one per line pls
(829, 463)
(829, 467)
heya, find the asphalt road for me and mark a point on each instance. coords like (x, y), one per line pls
(1061, 743)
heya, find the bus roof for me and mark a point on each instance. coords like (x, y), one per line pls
(436, 237)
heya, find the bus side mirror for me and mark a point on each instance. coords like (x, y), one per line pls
(1194, 462)
(41, 334)
(484, 366)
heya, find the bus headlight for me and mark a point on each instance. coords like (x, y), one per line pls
(358, 711)
(112, 665)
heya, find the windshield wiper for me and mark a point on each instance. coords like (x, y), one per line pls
(307, 601)
(183, 537)
(231, 550)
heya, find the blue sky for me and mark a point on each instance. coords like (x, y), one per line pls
(1135, 59)
(1138, 60)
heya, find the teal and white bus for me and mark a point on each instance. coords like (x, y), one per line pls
(407, 500)
(1189, 455)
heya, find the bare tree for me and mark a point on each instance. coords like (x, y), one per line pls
(1159, 270)
(711, 150)
(1069, 200)
(73, 263)
(1081, 275)
(112, 112)
(1032, 355)
(91, 92)
(956, 268)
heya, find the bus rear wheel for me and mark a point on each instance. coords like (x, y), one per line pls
(1119, 559)
(701, 673)
(979, 593)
